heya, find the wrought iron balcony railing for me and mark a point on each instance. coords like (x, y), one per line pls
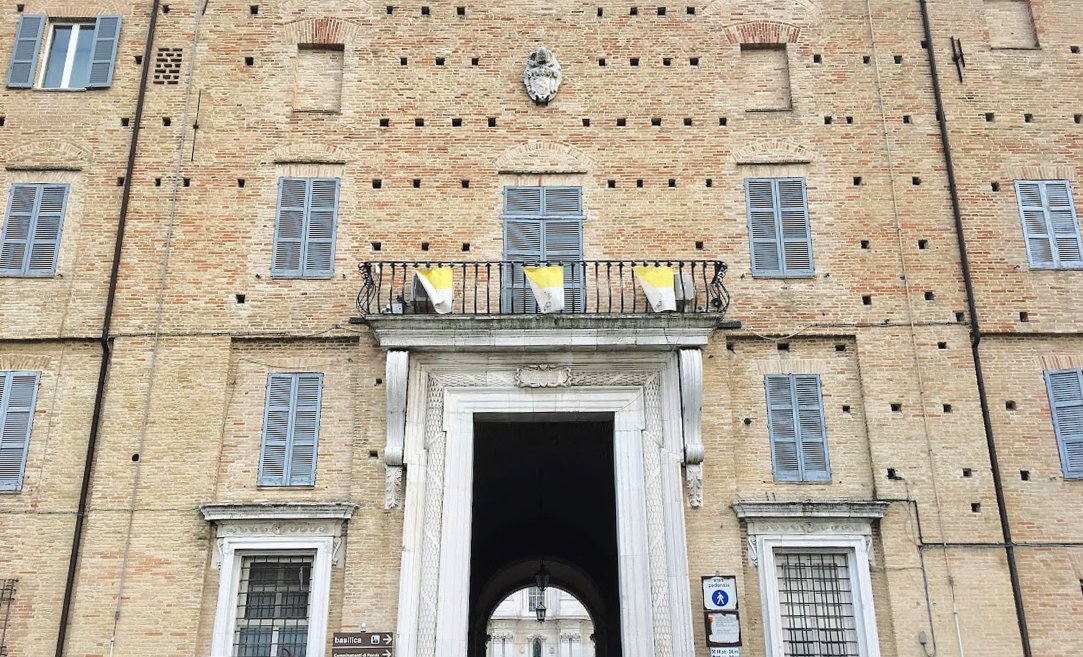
(499, 287)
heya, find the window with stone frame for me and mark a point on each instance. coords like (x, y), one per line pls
(765, 77)
(1010, 23)
(317, 78)
(814, 563)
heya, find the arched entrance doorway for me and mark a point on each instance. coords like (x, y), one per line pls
(544, 492)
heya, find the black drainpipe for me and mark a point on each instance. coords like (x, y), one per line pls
(106, 342)
(975, 340)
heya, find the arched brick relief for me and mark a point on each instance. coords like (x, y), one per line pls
(25, 362)
(319, 6)
(1060, 361)
(323, 31)
(308, 153)
(775, 151)
(48, 154)
(1042, 172)
(778, 365)
(801, 12)
(762, 32)
(77, 8)
(544, 157)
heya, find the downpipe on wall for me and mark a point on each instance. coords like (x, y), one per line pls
(106, 342)
(975, 337)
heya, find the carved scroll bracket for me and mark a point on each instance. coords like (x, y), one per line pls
(691, 370)
(395, 382)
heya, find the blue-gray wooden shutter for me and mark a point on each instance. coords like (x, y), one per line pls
(24, 56)
(785, 456)
(30, 241)
(1050, 225)
(289, 226)
(796, 428)
(811, 432)
(104, 53)
(1035, 227)
(1066, 402)
(290, 430)
(18, 394)
(306, 429)
(523, 240)
(320, 220)
(780, 236)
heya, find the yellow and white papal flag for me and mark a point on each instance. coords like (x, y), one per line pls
(547, 283)
(657, 284)
(438, 285)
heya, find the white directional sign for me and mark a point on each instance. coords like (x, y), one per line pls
(720, 593)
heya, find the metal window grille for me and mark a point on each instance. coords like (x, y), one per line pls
(7, 598)
(272, 606)
(817, 605)
(534, 597)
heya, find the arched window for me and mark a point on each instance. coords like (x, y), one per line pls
(537, 648)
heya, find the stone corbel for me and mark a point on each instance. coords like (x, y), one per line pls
(691, 369)
(395, 380)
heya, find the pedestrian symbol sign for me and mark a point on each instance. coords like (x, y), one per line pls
(720, 593)
(720, 598)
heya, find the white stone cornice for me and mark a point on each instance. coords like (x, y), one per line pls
(867, 509)
(535, 333)
(235, 512)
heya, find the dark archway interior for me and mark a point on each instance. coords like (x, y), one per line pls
(545, 490)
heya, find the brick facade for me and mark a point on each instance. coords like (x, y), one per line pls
(425, 126)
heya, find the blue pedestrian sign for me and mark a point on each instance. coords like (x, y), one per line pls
(720, 598)
(720, 593)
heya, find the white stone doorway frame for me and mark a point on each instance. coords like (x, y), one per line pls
(641, 391)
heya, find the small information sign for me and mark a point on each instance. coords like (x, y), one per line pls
(725, 652)
(363, 644)
(723, 629)
(720, 593)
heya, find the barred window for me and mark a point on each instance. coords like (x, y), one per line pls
(273, 606)
(7, 598)
(816, 604)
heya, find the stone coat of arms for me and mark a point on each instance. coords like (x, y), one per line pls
(542, 76)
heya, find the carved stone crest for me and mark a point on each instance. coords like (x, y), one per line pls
(542, 76)
(543, 376)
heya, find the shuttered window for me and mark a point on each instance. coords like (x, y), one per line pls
(1050, 225)
(291, 427)
(18, 393)
(30, 241)
(543, 224)
(304, 242)
(796, 425)
(1066, 402)
(77, 55)
(780, 237)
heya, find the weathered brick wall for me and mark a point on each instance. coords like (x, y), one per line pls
(888, 286)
